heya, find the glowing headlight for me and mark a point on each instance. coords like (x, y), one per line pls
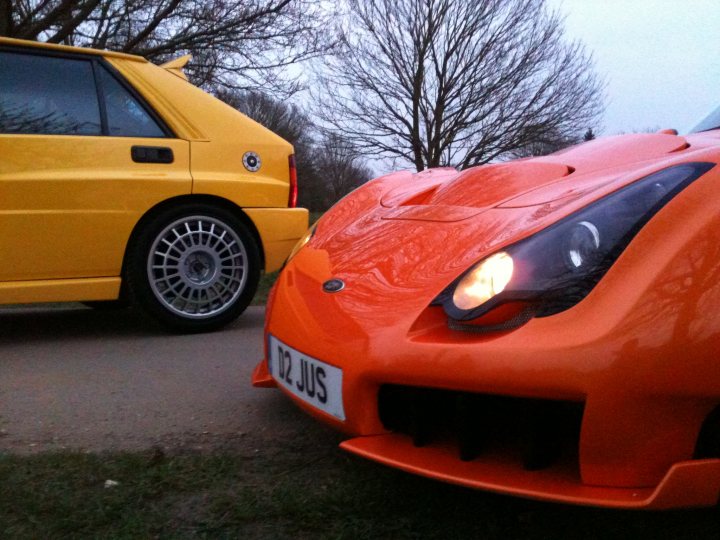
(486, 280)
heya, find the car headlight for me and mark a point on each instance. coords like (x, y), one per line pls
(556, 268)
(582, 246)
(484, 281)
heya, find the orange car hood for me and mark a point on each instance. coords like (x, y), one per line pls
(399, 240)
(448, 195)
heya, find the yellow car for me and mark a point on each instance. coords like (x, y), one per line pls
(120, 178)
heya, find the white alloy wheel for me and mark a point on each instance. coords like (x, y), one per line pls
(197, 267)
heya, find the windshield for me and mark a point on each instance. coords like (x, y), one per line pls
(711, 121)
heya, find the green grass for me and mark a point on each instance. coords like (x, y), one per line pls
(266, 283)
(304, 490)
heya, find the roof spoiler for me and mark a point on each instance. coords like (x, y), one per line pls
(176, 65)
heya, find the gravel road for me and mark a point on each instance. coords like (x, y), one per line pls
(72, 377)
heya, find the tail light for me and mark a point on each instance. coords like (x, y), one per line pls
(293, 195)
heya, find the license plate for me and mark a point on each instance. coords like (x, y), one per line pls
(310, 379)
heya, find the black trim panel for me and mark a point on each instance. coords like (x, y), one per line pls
(152, 154)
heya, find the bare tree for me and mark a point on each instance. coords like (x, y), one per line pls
(339, 165)
(544, 143)
(455, 82)
(237, 43)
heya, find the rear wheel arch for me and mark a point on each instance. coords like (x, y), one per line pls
(193, 263)
(192, 199)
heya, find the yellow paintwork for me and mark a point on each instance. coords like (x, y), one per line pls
(177, 65)
(67, 208)
(59, 290)
(68, 204)
(279, 226)
(67, 49)
(219, 136)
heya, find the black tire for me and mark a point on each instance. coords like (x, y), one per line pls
(193, 267)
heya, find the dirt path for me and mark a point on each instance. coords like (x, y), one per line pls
(71, 377)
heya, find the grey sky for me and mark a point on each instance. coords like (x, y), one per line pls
(661, 58)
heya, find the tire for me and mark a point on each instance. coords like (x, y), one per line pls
(193, 267)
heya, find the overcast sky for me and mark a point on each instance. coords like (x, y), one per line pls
(660, 58)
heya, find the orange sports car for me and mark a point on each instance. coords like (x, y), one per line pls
(547, 328)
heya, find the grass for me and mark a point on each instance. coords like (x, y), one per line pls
(266, 282)
(306, 489)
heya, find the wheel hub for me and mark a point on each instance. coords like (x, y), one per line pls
(200, 267)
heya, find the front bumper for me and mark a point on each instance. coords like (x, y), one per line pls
(686, 484)
(682, 483)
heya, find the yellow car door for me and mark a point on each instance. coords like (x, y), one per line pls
(82, 158)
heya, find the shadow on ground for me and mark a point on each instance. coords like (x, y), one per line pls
(49, 322)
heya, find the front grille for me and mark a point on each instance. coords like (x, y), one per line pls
(541, 432)
(708, 443)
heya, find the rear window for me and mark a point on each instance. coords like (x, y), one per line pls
(126, 117)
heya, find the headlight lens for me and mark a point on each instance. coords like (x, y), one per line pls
(582, 246)
(484, 281)
(557, 267)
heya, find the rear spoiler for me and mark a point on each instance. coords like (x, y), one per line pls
(176, 66)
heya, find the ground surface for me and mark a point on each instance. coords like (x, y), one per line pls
(89, 396)
(76, 378)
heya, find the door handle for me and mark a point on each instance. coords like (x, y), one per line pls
(152, 154)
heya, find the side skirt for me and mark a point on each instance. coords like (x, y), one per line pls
(59, 290)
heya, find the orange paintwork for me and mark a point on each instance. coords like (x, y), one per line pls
(689, 483)
(640, 351)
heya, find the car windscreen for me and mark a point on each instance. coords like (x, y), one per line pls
(711, 121)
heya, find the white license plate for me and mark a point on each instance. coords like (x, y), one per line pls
(310, 379)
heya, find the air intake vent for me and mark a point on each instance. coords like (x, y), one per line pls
(540, 432)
